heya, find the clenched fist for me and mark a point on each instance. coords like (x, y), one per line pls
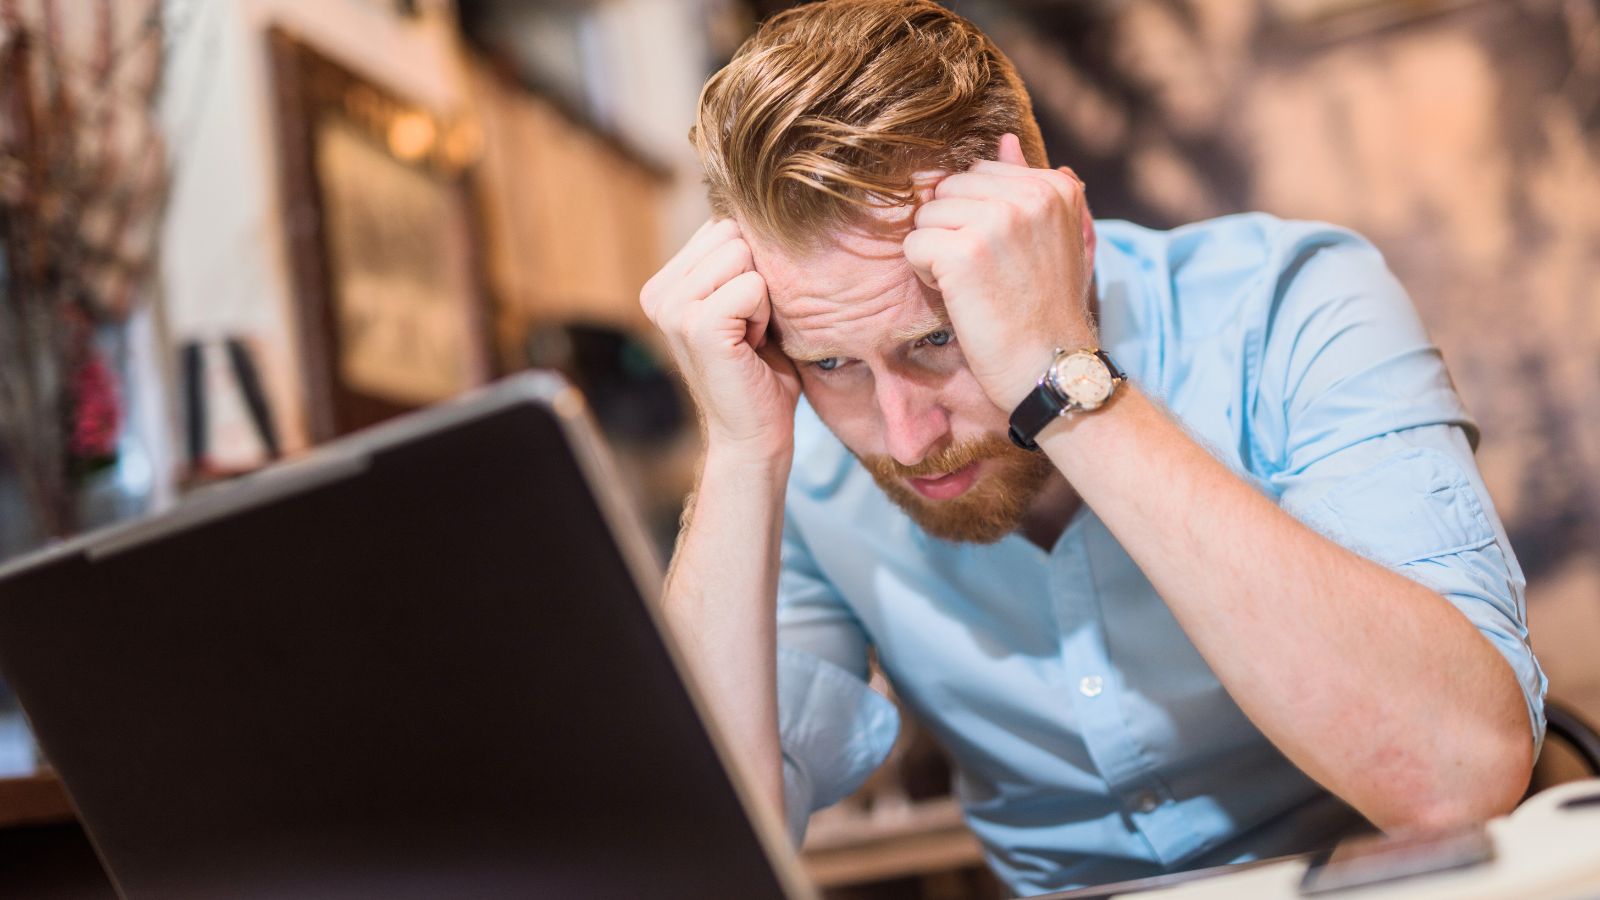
(1007, 247)
(713, 309)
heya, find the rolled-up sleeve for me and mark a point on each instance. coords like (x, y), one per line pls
(1378, 449)
(834, 729)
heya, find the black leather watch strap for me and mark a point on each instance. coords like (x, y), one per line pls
(1117, 377)
(1036, 410)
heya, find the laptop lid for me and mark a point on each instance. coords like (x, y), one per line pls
(423, 661)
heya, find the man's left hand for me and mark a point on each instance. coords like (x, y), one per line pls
(1005, 244)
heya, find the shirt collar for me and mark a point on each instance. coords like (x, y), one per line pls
(1124, 310)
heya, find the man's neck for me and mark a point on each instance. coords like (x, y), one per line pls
(1050, 512)
(1056, 505)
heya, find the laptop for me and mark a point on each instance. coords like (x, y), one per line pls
(423, 661)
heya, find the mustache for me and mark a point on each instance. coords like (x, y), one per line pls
(942, 462)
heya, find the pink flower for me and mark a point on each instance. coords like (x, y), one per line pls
(96, 416)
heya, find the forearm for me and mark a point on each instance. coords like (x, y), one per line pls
(720, 602)
(1371, 683)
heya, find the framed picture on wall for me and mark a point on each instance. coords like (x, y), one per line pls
(380, 228)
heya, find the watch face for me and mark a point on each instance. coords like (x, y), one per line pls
(1082, 378)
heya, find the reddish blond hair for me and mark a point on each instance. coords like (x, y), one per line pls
(831, 107)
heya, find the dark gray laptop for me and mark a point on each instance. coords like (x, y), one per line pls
(422, 662)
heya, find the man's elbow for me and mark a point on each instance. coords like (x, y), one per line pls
(1476, 787)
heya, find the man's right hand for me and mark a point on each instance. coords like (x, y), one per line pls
(713, 309)
(720, 597)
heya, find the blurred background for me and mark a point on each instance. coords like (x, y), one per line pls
(232, 230)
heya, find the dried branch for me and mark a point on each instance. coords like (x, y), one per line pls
(83, 183)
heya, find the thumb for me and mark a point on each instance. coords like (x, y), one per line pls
(1011, 150)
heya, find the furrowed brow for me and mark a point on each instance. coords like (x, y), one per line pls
(931, 321)
(801, 353)
(797, 351)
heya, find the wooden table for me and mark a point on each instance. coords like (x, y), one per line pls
(924, 837)
(1544, 850)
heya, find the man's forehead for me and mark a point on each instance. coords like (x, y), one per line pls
(834, 265)
(832, 304)
(835, 285)
(869, 248)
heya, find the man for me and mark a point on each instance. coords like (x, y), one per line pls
(1228, 606)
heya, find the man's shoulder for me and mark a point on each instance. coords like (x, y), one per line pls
(1239, 246)
(1207, 276)
(1233, 307)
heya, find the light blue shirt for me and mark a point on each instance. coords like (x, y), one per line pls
(1091, 741)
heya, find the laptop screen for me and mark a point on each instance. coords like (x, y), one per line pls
(420, 666)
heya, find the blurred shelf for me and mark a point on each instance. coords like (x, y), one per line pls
(37, 799)
(925, 837)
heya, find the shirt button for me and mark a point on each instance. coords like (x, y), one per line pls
(1147, 802)
(1091, 685)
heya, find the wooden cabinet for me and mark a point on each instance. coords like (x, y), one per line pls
(571, 216)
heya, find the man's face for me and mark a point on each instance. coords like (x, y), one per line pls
(883, 370)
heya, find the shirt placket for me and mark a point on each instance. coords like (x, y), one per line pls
(1099, 703)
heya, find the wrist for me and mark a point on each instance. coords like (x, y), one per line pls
(1034, 364)
(748, 462)
(1077, 381)
(1079, 433)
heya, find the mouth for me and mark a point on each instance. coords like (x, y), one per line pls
(948, 485)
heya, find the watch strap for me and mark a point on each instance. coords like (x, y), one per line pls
(1041, 407)
(1117, 376)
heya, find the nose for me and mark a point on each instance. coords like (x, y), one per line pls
(914, 422)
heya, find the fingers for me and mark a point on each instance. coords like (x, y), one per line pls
(952, 212)
(998, 205)
(736, 312)
(743, 297)
(1047, 193)
(1008, 182)
(924, 182)
(927, 248)
(664, 282)
(986, 185)
(1010, 150)
(1062, 175)
(716, 262)
(1012, 164)
(716, 268)
(773, 355)
(711, 235)
(747, 299)
(712, 308)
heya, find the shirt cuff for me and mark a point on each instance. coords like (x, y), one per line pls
(834, 731)
(1417, 512)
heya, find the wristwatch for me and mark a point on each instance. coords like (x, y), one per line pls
(1075, 380)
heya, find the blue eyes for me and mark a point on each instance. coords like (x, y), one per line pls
(939, 338)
